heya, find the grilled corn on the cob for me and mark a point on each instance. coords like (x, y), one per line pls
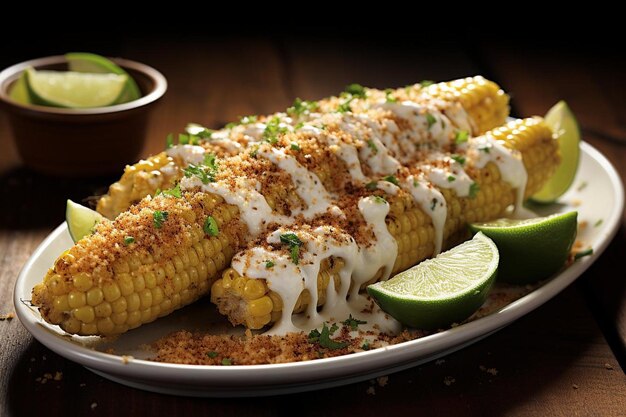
(181, 245)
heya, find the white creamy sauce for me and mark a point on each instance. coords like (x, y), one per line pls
(361, 264)
(432, 202)
(485, 149)
(191, 154)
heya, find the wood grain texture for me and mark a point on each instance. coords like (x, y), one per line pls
(555, 361)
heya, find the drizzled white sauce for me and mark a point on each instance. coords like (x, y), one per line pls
(361, 264)
(190, 154)
(382, 148)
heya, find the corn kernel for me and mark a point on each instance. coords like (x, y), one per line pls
(82, 282)
(119, 318)
(253, 289)
(76, 299)
(103, 309)
(105, 326)
(85, 314)
(133, 302)
(119, 305)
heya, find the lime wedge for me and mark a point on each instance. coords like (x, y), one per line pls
(92, 63)
(74, 89)
(531, 249)
(563, 123)
(80, 220)
(19, 92)
(442, 290)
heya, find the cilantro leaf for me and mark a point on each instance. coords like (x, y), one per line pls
(356, 90)
(300, 107)
(173, 192)
(294, 147)
(430, 119)
(169, 141)
(323, 339)
(459, 159)
(473, 191)
(273, 130)
(426, 83)
(372, 185)
(353, 323)
(451, 178)
(227, 361)
(212, 354)
(378, 199)
(210, 226)
(461, 137)
(269, 264)
(372, 146)
(129, 240)
(294, 243)
(392, 179)
(159, 217)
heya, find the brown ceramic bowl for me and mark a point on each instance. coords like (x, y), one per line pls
(74, 142)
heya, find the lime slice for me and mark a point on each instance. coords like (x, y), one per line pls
(92, 63)
(563, 123)
(80, 220)
(74, 89)
(531, 249)
(19, 92)
(442, 290)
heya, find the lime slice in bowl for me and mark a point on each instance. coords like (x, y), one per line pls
(80, 220)
(564, 125)
(531, 249)
(444, 290)
(74, 89)
(19, 91)
(97, 64)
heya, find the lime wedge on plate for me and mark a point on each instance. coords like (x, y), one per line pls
(92, 63)
(531, 249)
(19, 92)
(563, 123)
(442, 290)
(74, 89)
(80, 220)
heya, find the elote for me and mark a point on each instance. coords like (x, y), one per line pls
(371, 184)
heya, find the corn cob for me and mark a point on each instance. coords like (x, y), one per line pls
(100, 286)
(483, 100)
(250, 301)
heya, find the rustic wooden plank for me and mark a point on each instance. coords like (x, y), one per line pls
(595, 91)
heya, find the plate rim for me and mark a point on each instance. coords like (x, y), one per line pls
(336, 368)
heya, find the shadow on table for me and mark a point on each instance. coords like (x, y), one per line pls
(31, 200)
(531, 361)
(605, 290)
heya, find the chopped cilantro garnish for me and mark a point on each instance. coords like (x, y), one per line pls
(323, 339)
(198, 130)
(356, 90)
(459, 159)
(451, 178)
(583, 253)
(129, 240)
(227, 361)
(443, 124)
(378, 199)
(372, 146)
(173, 192)
(461, 137)
(389, 97)
(598, 223)
(210, 160)
(300, 107)
(273, 129)
(299, 126)
(246, 120)
(433, 204)
(333, 328)
(212, 354)
(426, 83)
(231, 125)
(345, 106)
(294, 243)
(294, 147)
(269, 264)
(254, 151)
(474, 189)
(169, 141)
(372, 185)
(205, 174)
(353, 323)
(430, 119)
(392, 179)
(485, 149)
(210, 226)
(366, 345)
(183, 139)
(159, 217)
(416, 183)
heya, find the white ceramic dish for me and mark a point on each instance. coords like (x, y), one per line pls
(601, 199)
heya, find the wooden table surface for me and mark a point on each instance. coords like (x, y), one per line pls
(566, 358)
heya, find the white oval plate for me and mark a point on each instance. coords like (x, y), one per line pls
(601, 199)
